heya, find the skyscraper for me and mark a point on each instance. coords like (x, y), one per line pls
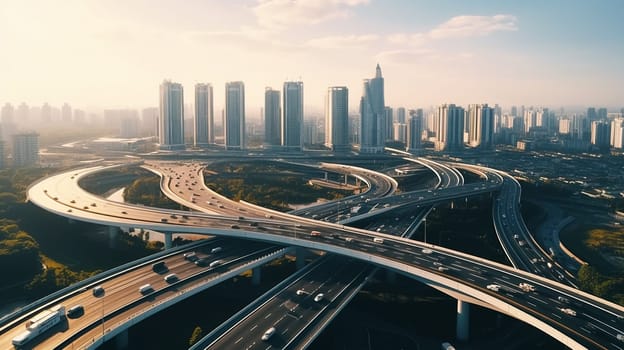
(372, 114)
(617, 133)
(25, 150)
(389, 124)
(450, 128)
(337, 119)
(400, 115)
(272, 119)
(414, 130)
(481, 130)
(234, 115)
(292, 115)
(203, 131)
(171, 122)
(600, 134)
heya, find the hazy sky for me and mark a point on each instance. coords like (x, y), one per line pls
(115, 53)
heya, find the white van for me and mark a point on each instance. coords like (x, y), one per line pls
(146, 289)
(216, 263)
(170, 278)
(378, 240)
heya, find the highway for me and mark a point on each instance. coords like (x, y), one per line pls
(408, 257)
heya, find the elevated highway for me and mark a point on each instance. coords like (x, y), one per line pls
(596, 323)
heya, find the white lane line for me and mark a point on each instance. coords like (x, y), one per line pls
(557, 316)
(539, 300)
(254, 327)
(238, 340)
(267, 316)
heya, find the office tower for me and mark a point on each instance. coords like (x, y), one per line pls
(149, 121)
(450, 128)
(337, 119)
(591, 114)
(354, 129)
(272, 116)
(372, 115)
(400, 115)
(400, 132)
(530, 120)
(7, 120)
(514, 111)
(129, 125)
(203, 126)
(311, 132)
(25, 150)
(292, 115)
(617, 133)
(389, 117)
(66, 113)
(234, 115)
(565, 126)
(171, 122)
(481, 130)
(600, 134)
(602, 114)
(414, 130)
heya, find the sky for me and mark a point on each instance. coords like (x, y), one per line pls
(115, 53)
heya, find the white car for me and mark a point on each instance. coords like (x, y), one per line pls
(319, 297)
(268, 334)
(568, 311)
(493, 287)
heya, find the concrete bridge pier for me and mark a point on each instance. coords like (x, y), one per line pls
(256, 275)
(122, 340)
(113, 233)
(168, 240)
(463, 320)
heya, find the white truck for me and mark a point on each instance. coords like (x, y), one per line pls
(40, 323)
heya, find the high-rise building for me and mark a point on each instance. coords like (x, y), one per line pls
(171, 122)
(129, 125)
(617, 133)
(389, 117)
(25, 150)
(372, 115)
(66, 113)
(2, 155)
(400, 132)
(337, 118)
(600, 134)
(203, 126)
(149, 121)
(7, 121)
(565, 126)
(591, 114)
(234, 115)
(481, 129)
(400, 115)
(272, 119)
(602, 113)
(450, 128)
(414, 130)
(292, 115)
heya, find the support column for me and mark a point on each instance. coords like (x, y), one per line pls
(463, 320)
(122, 340)
(168, 240)
(300, 258)
(256, 275)
(113, 232)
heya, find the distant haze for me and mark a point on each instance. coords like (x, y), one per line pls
(115, 53)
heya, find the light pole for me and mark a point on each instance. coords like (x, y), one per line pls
(425, 221)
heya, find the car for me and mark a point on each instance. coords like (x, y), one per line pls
(191, 256)
(72, 201)
(378, 240)
(216, 263)
(75, 311)
(124, 212)
(315, 233)
(170, 278)
(201, 262)
(215, 250)
(427, 251)
(319, 297)
(98, 291)
(253, 224)
(268, 334)
(568, 311)
(301, 292)
(235, 226)
(442, 268)
(146, 289)
(348, 239)
(493, 287)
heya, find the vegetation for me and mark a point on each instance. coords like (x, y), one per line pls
(590, 280)
(146, 190)
(196, 336)
(40, 256)
(267, 184)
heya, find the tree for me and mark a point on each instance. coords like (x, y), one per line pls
(198, 333)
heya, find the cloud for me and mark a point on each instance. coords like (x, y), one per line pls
(279, 14)
(342, 41)
(406, 56)
(469, 26)
(458, 27)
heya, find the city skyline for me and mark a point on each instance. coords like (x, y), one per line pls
(554, 54)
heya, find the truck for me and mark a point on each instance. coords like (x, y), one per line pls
(40, 323)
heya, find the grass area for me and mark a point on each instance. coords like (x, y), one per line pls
(592, 244)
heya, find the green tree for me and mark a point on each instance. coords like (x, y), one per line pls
(198, 333)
